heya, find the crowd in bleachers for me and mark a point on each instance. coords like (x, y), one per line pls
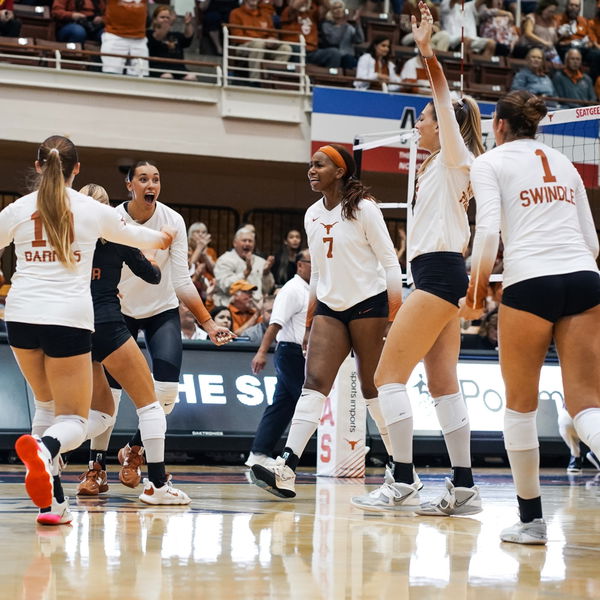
(345, 44)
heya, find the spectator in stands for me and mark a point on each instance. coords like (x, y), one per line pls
(440, 39)
(414, 72)
(242, 263)
(533, 77)
(216, 13)
(256, 332)
(457, 20)
(374, 65)
(571, 82)
(243, 309)
(163, 42)
(595, 24)
(539, 31)
(198, 242)
(499, 25)
(253, 14)
(125, 34)
(189, 328)
(575, 31)
(302, 17)
(284, 267)
(337, 31)
(78, 20)
(10, 26)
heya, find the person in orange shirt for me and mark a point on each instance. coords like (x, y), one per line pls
(302, 17)
(253, 14)
(242, 307)
(125, 34)
(575, 31)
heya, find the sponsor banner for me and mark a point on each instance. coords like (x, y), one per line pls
(340, 115)
(343, 427)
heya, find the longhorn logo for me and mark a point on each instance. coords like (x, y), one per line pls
(328, 228)
(352, 444)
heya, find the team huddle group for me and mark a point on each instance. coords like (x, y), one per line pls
(551, 291)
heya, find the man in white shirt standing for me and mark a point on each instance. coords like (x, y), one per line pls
(459, 19)
(242, 263)
(287, 325)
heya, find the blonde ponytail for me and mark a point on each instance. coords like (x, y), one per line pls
(57, 158)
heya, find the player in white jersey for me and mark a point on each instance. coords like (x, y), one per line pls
(353, 262)
(49, 311)
(427, 326)
(535, 196)
(154, 309)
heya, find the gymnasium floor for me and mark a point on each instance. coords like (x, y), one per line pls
(236, 541)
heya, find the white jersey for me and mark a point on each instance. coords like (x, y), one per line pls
(439, 220)
(534, 195)
(140, 299)
(43, 290)
(348, 255)
(289, 310)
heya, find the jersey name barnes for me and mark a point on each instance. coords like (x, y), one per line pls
(43, 256)
(547, 193)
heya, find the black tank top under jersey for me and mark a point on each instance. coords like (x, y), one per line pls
(106, 274)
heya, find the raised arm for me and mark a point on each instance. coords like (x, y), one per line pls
(487, 236)
(453, 151)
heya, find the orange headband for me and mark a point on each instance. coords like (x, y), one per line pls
(334, 155)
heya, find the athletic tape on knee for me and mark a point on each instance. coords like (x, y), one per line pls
(98, 423)
(167, 393)
(587, 425)
(520, 430)
(69, 430)
(310, 406)
(394, 403)
(451, 411)
(43, 417)
(152, 422)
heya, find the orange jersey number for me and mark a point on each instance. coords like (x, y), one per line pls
(548, 176)
(38, 230)
(329, 240)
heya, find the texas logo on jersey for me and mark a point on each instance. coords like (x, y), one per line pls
(328, 228)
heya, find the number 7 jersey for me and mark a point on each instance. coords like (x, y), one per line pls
(348, 255)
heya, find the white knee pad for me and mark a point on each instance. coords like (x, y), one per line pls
(567, 431)
(587, 425)
(394, 403)
(43, 417)
(167, 393)
(98, 423)
(152, 421)
(310, 406)
(69, 430)
(451, 411)
(520, 430)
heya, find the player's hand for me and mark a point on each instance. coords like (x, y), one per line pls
(423, 30)
(258, 362)
(468, 313)
(218, 335)
(169, 234)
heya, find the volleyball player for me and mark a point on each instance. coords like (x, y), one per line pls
(114, 347)
(49, 312)
(551, 289)
(153, 309)
(427, 326)
(353, 262)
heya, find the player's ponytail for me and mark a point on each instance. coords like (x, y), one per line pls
(57, 157)
(522, 111)
(353, 189)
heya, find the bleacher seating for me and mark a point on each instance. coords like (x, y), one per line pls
(36, 21)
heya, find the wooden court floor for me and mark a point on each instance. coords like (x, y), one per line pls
(236, 541)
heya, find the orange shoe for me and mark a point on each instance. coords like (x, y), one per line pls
(39, 482)
(132, 458)
(93, 482)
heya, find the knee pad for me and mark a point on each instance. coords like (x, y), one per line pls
(520, 430)
(43, 417)
(375, 411)
(167, 393)
(98, 423)
(394, 403)
(310, 406)
(152, 421)
(451, 411)
(69, 430)
(587, 425)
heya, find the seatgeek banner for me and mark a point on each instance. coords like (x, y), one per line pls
(340, 115)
